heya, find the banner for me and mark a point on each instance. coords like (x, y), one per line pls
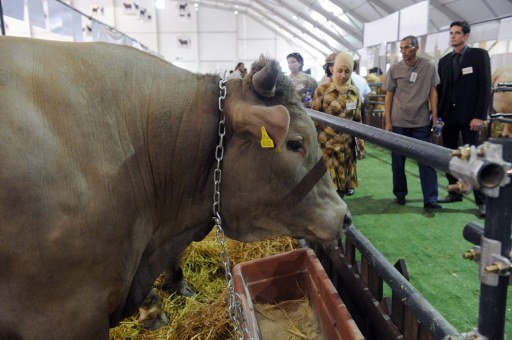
(414, 20)
(381, 31)
(55, 16)
(505, 30)
(36, 13)
(14, 9)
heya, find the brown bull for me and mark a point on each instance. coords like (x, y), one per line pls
(106, 176)
(502, 101)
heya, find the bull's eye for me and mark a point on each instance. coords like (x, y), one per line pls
(295, 145)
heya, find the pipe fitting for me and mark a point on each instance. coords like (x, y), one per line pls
(482, 167)
(472, 254)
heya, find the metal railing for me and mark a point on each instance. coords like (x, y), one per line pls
(488, 169)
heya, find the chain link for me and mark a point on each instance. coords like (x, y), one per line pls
(234, 301)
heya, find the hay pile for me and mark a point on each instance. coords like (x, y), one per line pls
(205, 315)
(290, 319)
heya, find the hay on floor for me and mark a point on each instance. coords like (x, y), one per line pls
(205, 315)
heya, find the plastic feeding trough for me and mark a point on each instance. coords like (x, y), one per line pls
(290, 294)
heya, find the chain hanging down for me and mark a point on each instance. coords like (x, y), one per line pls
(234, 302)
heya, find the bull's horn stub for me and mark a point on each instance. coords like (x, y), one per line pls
(266, 142)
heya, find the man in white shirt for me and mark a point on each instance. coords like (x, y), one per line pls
(360, 82)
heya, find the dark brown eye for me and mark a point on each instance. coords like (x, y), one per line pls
(295, 145)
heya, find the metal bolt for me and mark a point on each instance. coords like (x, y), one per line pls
(472, 254)
(492, 268)
(456, 153)
(498, 268)
(466, 153)
(463, 152)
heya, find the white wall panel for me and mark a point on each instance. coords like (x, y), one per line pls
(215, 66)
(252, 49)
(17, 27)
(217, 46)
(251, 29)
(187, 65)
(173, 47)
(107, 16)
(131, 21)
(215, 20)
(500, 60)
(147, 38)
(174, 19)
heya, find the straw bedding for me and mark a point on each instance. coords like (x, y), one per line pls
(203, 316)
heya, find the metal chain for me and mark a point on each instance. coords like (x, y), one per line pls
(234, 301)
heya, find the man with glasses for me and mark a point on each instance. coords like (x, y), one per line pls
(464, 97)
(410, 84)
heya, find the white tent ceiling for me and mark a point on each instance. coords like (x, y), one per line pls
(337, 25)
(213, 38)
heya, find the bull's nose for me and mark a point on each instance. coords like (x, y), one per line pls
(347, 221)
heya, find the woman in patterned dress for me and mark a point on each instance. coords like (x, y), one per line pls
(340, 98)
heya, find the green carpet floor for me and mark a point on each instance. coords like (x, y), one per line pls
(431, 243)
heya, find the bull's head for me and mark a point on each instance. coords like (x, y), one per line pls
(284, 190)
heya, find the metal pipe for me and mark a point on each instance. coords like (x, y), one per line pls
(2, 25)
(498, 227)
(434, 155)
(502, 89)
(426, 314)
(473, 232)
(484, 174)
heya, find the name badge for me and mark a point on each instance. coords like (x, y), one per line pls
(414, 76)
(467, 70)
(351, 106)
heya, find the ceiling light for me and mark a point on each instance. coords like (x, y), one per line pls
(236, 12)
(294, 17)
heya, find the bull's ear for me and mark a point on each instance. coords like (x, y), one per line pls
(275, 120)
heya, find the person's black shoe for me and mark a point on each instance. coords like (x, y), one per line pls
(400, 200)
(451, 198)
(350, 192)
(481, 210)
(429, 206)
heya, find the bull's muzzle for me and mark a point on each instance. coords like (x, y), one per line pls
(347, 221)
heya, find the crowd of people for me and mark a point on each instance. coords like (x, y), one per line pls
(417, 93)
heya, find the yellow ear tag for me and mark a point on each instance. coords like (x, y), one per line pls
(266, 142)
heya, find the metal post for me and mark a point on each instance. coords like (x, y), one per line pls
(498, 225)
(2, 25)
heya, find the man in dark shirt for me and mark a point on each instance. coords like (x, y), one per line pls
(464, 97)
